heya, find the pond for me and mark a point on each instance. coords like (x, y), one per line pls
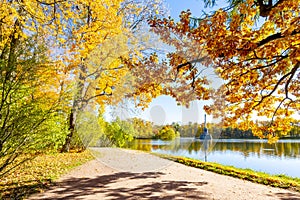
(282, 157)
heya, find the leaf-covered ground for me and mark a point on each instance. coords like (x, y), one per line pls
(38, 174)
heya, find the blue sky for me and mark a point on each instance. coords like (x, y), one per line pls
(196, 7)
(176, 6)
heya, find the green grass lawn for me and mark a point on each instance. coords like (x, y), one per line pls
(38, 174)
(280, 181)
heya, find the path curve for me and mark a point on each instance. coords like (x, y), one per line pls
(96, 180)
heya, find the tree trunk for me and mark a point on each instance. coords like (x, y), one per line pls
(72, 121)
(78, 105)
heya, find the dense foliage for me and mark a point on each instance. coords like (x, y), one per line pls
(253, 46)
(60, 60)
(30, 117)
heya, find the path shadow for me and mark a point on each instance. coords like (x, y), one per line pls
(81, 188)
(164, 190)
(287, 196)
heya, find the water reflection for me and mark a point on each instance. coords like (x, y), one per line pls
(284, 148)
(244, 153)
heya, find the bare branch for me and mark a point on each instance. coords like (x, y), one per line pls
(49, 3)
(291, 73)
(191, 62)
(274, 37)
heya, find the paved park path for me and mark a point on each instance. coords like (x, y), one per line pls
(125, 174)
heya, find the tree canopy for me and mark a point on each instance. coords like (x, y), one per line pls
(253, 47)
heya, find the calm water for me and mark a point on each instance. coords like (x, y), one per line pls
(280, 158)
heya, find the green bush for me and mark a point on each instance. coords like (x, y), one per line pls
(119, 132)
(166, 133)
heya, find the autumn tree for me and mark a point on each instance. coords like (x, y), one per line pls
(30, 121)
(34, 101)
(253, 45)
(109, 35)
(33, 86)
(36, 89)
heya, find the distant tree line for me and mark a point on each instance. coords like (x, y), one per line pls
(217, 131)
(121, 132)
(195, 130)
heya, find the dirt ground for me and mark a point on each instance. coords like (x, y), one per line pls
(125, 174)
